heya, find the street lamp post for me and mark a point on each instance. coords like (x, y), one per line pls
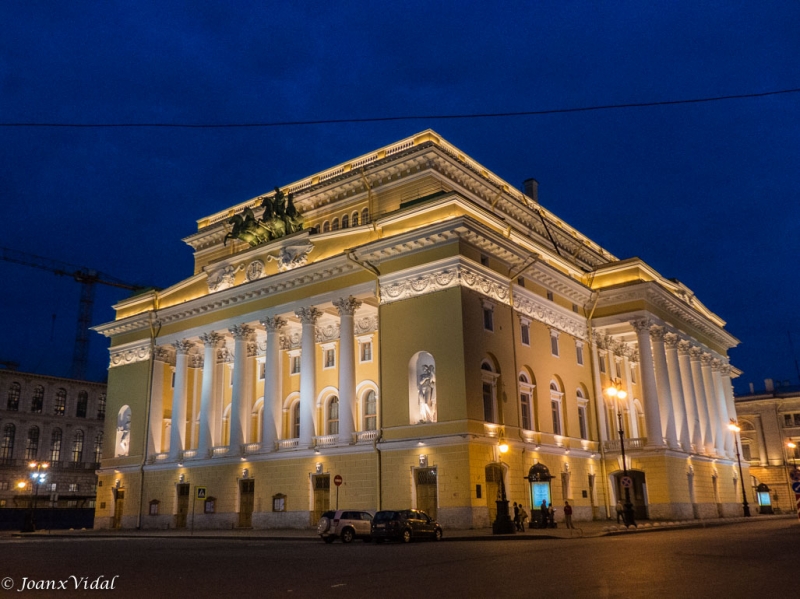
(38, 475)
(619, 394)
(503, 524)
(734, 426)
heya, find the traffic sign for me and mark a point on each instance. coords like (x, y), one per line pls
(796, 488)
(201, 492)
(626, 481)
(337, 480)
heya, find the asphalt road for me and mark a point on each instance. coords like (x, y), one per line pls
(744, 560)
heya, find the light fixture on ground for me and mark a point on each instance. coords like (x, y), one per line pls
(38, 475)
(734, 426)
(618, 394)
(503, 524)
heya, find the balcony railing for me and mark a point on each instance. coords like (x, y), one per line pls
(364, 436)
(326, 441)
(251, 447)
(636, 444)
(220, 451)
(286, 444)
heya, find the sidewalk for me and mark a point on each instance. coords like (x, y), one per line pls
(591, 529)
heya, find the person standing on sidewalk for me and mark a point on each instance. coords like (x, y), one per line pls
(523, 515)
(516, 516)
(620, 510)
(545, 513)
(568, 515)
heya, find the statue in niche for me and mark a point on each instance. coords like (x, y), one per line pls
(426, 395)
(123, 433)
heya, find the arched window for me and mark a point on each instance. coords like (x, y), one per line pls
(82, 405)
(335, 224)
(333, 416)
(489, 392)
(525, 402)
(583, 414)
(365, 216)
(77, 447)
(345, 221)
(61, 402)
(55, 445)
(295, 422)
(370, 411)
(37, 403)
(556, 408)
(32, 443)
(7, 448)
(98, 447)
(326, 226)
(101, 406)
(354, 218)
(13, 397)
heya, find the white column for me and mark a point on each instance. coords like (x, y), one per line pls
(711, 402)
(347, 368)
(664, 388)
(308, 374)
(211, 342)
(695, 355)
(598, 394)
(649, 389)
(678, 400)
(727, 388)
(241, 335)
(178, 429)
(272, 415)
(632, 414)
(692, 412)
(719, 393)
(154, 440)
(762, 447)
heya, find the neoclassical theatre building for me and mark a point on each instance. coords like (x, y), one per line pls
(384, 324)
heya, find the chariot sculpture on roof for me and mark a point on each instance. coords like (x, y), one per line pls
(280, 218)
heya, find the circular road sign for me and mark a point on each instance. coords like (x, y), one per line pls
(337, 480)
(796, 488)
(626, 481)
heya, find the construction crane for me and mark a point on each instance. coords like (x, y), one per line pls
(88, 278)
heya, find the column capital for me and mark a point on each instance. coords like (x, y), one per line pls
(273, 324)
(165, 353)
(241, 331)
(347, 305)
(695, 353)
(641, 324)
(671, 340)
(183, 346)
(716, 365)
(211, 339)
(684, 347)
(707, 359)
(308, 314)
(657, 333)
(725, 369)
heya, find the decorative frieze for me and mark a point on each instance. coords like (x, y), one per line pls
(326, 332)
(365, 324)
(129, 355)
(544, 311)
(222, 278)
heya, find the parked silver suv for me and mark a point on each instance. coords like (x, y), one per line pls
(347, 524)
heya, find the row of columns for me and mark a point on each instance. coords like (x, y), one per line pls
(244, 334)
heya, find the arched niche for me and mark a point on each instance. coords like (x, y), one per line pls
(123, 445)
(422, 405)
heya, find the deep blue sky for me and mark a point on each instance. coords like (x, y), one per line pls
(705, 193)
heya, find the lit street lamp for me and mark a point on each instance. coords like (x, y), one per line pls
(619, 394)
(734, 426)
(503, 524)
(38, 475)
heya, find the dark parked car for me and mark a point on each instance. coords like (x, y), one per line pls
(404, 525)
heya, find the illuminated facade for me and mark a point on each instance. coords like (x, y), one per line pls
(427, 310)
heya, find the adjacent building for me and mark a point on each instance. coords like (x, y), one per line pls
(384, 324)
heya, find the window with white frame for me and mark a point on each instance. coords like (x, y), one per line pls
(617, 367)
(294, 362)
(554, 342)
(633, 373)
(526, 402)
(583, 414)
(556, 397)
(262, 370)
(601, 362)
(345, 221)
(333, 416)
(746, 453)
(73, 487)
(326, 227)
(489, 392)
(365, 349)
(370, 411)
(330, 356)
(791, 420)
(525, 332)
(335, 224)
(355, 219)
(579, 352)
(294, 422)
(488, 316)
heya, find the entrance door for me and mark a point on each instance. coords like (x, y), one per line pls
(322, 496)
(119, 501)
(426, 491)
(183, 505)
(247, 494)
(493, 475)
(715, 481)
(636, 492)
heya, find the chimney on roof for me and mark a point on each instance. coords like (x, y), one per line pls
(531, 189)
(769, 385)
(752, 389)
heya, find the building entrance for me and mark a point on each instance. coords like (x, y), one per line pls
(183, 505)
(119, 502)
(322, 496)
(638, 498)
(427, 498)
(494, 474)
(247, 493)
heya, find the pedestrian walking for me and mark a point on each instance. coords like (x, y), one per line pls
(545, 513)
(620, 511)
(568, 515)
(516, 516)
(523, 515)
(551, 515)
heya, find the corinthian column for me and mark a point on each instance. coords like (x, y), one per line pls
(692, 411)
(713, 406)
(242, 334)
(678, 400)
(347, 368)
(211, 342)
(155, 442)
(308, 373)
(271, 420)
(664, 388)
(177, 438)
(727, 388)
(695, 354)
(722, 408)
(649, 389)
(598, 392)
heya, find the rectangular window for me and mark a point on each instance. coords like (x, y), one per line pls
(73, 487)
(746, 452)
(4, 486)
(582, 422)
(330, 358)
(550, 295)
(787, 420)
(579, 354)
(554, 345)
(53, 487)
(617, 368)
(366, 351)
(525, 400)
(602, 363)
(633, 373)
(488, 319)
(295, 364)
(262, 371)
(797, 419)
(488, 402)
(526, 333)
(555, 407)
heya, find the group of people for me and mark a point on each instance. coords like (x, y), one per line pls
(548, 516)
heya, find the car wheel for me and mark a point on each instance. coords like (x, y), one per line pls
(323, 525)
(437, 534)
(348, 535)
(328, 540)
(406, 536)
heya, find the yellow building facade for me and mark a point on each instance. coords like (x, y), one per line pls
(426, 311)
